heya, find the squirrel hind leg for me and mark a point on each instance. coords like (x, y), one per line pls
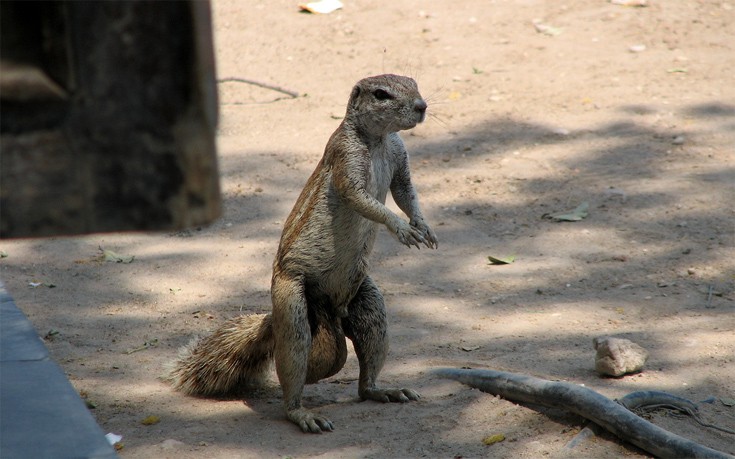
(236, 357)
(366, 326)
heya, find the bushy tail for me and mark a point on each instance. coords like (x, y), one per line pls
(236, 356)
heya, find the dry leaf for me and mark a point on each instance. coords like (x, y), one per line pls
(109, 255)
(470, 348)
(150, 420)
(501, 261)
(580, 212)
(492, 439)
(321, 7)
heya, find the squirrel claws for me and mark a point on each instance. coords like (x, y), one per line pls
(310, 422)
(415, 233)
(407, 234)
(410, 394)
(427, 234)
(391, 395)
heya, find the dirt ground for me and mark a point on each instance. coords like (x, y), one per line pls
(629, 109)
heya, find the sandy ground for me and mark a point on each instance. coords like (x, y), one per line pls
(524, 123)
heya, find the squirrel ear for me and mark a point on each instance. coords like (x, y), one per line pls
(353, 97)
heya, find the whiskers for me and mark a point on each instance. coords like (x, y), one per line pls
(432, 100)
(435, 117)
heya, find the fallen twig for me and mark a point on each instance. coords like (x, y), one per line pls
(288, 92)
(589, 431)
(145, 346)
(585, 402)
(647, 400)
(709, 296)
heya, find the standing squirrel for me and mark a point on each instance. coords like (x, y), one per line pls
(320, 289)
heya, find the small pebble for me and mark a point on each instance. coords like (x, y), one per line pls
(638, 3)
(637, 48)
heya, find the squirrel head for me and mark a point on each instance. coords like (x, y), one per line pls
(383, 104)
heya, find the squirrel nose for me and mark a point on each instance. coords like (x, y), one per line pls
(419, 105)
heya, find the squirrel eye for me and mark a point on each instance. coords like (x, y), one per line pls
(381, 94)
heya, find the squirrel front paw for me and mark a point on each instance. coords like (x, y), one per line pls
(430, 239)
(407, 234)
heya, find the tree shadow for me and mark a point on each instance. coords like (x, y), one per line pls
(623, 155)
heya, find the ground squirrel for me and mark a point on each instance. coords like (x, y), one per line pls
(321, 292)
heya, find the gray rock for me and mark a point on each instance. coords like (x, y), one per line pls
(618, 356)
